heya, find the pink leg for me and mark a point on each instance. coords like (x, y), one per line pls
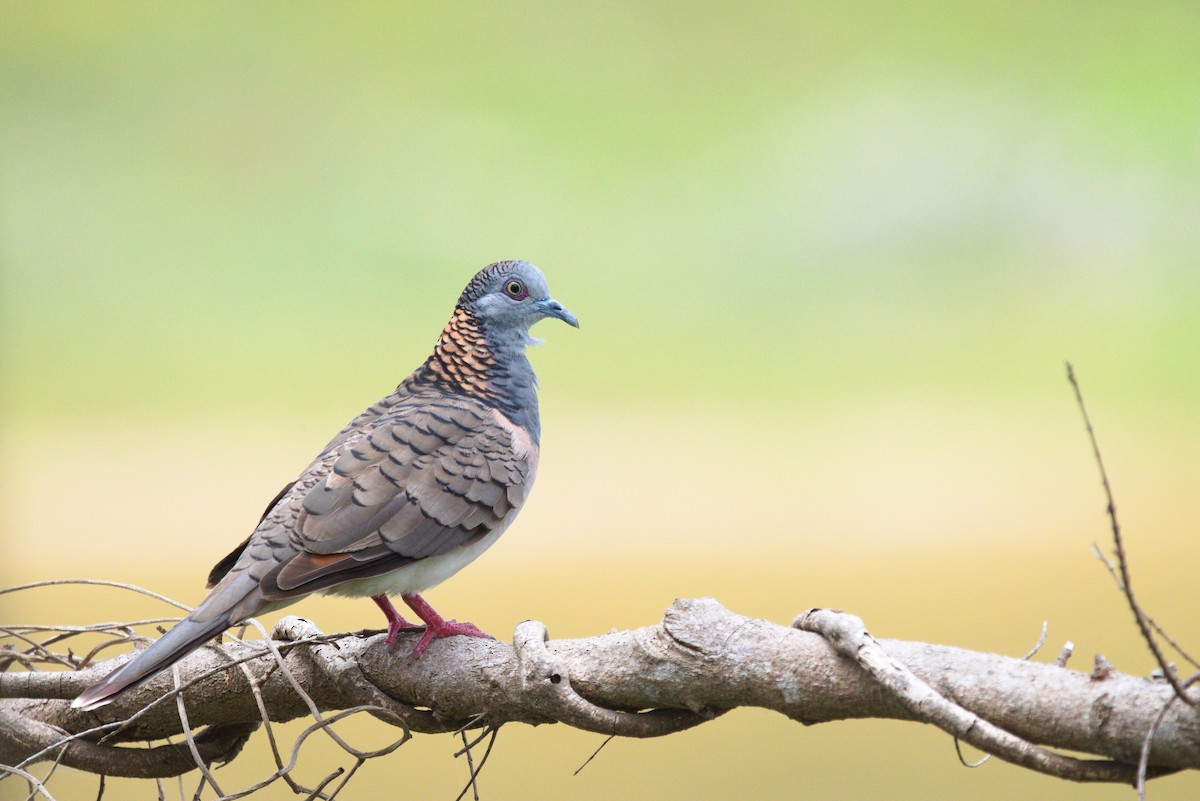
(436, 626)
(395, 621)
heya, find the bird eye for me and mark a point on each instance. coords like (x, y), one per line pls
(515, 289)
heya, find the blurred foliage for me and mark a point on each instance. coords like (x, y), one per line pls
(760, 203)
(829, 260)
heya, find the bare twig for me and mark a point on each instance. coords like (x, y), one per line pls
(97, 583)
(201, 764)
(595, 753)
(1029, 655)
(34, 782)
(1041, 641)
(1064, 654)
(963, 760)
(472, 780)
(1122, 559)
(847, 634)
(1159, 630)
(1144, 756)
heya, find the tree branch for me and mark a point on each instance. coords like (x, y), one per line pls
(699, 662)
(849, 636)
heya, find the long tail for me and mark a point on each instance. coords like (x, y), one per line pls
(185, 637)
(218, 612)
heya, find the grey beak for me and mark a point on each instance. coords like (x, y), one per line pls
(552, 308)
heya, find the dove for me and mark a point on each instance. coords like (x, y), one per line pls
(406, 495)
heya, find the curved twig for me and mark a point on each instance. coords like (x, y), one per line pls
(1143, 766)
(98, 583)
(847, 634)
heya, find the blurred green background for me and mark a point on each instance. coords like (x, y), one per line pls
(829, 261)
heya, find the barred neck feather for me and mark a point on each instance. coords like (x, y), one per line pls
(461, 361)
(487, 363)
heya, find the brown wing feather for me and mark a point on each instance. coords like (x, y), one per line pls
(419, 484)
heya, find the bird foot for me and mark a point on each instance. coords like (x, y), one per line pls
(447, 628)
(395, 620)
(436, 626)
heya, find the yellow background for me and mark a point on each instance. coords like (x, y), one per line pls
(829, 265)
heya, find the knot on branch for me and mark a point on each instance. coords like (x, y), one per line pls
(845, 632)
(545, 677)
(295, 629)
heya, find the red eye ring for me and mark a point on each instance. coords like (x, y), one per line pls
(515, 289)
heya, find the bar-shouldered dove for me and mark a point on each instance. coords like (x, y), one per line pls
(406, 495)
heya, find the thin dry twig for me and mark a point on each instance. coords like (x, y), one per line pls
(347, 775)
(98, 583)
(1038, 645)
(39, 652)
(319, 790)
(1029, 655)
(1064, 654)
(37, 787)
(1122, 559)
(1144, 756)
(472, 779)
(963, 760)
(201, 765)
(281, 772)
(850, 638)
(1159, 630)
(595, 753)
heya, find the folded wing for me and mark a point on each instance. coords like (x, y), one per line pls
(422, 482)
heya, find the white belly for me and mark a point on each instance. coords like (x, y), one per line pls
(418, 576)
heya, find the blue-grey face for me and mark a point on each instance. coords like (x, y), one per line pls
(514, 294)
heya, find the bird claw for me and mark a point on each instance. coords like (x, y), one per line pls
(447, 628)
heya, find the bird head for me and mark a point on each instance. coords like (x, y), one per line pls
(513, 295)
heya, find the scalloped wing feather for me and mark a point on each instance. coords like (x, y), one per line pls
(418, 485)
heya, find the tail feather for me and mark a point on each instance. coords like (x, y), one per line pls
(185, 637)
(235, 598)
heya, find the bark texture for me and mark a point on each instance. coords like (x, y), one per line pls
(699, 662)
